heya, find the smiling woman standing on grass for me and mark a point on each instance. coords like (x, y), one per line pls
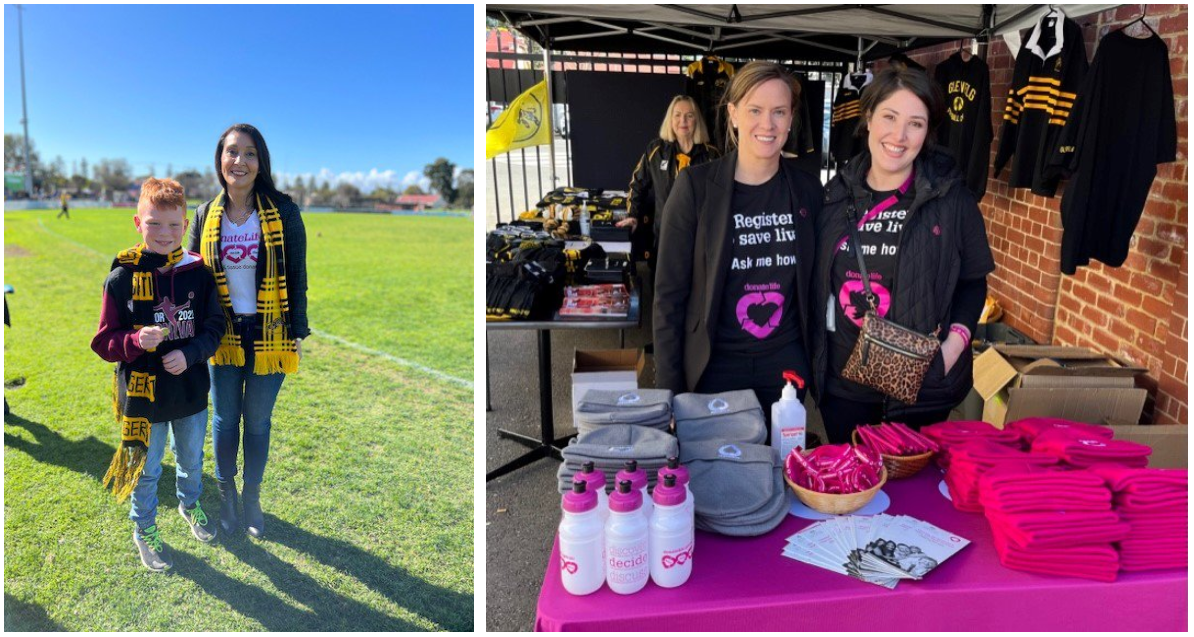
(252, 238)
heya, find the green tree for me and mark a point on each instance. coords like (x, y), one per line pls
(346, 195)
(83, 169)
(441, 173)
(382, 194)
(114, 174)
(14, 153)
(413, 189)
(192, 183)
(464, 189)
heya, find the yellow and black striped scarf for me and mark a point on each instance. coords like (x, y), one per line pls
(274, 350)
(133, 383)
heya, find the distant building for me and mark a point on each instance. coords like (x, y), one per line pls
(418, 203)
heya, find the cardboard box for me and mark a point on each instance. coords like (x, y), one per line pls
(1168, 443)
(604, 369)
(1018, 381)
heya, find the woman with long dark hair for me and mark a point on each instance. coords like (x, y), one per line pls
(252, 238)
(925, 251)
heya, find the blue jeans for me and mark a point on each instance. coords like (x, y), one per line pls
(237, 392)
(186, 441)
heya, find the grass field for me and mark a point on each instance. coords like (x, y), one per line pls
(369, 489)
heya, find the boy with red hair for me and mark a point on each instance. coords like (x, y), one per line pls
(160, 321)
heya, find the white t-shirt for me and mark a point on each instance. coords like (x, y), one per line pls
(238, 255)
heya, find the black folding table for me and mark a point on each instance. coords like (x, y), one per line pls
(547, 445)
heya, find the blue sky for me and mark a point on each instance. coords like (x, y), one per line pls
(337, 91)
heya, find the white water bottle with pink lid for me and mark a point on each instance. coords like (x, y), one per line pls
(582, 541)
(627, 567)
(675, 468)
(638, 479)
(672, 535)
(596, 484)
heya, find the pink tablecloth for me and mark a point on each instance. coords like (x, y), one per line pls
(745, 584)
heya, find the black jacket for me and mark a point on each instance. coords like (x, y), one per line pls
(295, 237)
(943, 241)
(654, 175)
(694, 257)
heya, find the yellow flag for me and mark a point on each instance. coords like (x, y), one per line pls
(527, 122)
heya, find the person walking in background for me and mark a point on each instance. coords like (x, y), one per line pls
(65, 209)
(252, 238)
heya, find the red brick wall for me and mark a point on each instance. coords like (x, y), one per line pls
(1138, 311)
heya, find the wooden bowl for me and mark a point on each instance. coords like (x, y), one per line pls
(900, 466)
(836, 503)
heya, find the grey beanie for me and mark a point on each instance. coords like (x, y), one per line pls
(734, 416)
(730, 480)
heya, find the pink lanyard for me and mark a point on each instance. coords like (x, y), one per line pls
(880, 207)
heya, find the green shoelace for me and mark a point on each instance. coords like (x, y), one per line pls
(150, 536)
(198, 515)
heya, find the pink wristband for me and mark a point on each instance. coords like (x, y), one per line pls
(960, 331)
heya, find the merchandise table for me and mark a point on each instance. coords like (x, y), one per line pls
(547, 445)
(745, 584)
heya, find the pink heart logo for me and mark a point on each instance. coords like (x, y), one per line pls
(233, 253)
(569, 567)
(754, 313)
(852, 298)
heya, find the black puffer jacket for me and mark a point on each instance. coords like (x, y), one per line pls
(944, 240)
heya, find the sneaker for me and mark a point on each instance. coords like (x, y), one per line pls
(201, 528)
(154, 553)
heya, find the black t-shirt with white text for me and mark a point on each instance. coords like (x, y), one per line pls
(757, 301)
(880, 239)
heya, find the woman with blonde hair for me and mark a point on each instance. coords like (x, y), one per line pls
(682, 142)
(736, 252)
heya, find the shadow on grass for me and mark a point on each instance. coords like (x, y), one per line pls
(24, 616)
(328, 610)
(323, 610)
(448, 609)
(89, 456)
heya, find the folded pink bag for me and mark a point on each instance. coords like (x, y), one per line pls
(1030, 428)
(1048, 530)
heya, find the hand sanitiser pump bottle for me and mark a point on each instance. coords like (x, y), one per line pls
(582, 541)
(672, 535)
(626, 567)
(788, 418)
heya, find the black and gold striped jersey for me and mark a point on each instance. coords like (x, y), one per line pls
(1049, 70)
(847, 112)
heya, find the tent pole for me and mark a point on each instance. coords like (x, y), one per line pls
(551, 110)
(984, 36)
(858, 60)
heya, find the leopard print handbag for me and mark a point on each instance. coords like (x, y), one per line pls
(888, 357)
